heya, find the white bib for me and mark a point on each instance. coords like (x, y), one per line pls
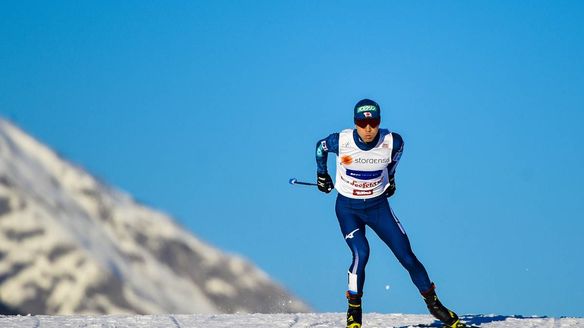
(362, 174)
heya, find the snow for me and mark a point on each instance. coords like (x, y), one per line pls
(314, 320)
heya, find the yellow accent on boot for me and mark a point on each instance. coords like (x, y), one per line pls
(457, 323)
(354, 324)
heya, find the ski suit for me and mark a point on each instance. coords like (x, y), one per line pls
(363, 171)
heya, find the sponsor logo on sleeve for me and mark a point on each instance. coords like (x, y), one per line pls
(323, 145)
(397, 156)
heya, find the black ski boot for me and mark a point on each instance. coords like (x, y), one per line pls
(439, 311)
(354, 312)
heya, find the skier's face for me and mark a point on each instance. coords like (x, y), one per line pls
(367, 132)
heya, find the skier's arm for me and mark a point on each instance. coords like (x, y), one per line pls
(396, 152)
(323, 147)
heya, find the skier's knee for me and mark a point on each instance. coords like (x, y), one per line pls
(410, 262)
(361, 256)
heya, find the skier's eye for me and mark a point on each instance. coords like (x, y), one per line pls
(373, 122)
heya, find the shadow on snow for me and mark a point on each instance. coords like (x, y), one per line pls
(475, 320)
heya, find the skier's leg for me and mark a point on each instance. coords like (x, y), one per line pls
(439, 311)
(390, 230)
(387, 226)
(355, 311)
(353, 230)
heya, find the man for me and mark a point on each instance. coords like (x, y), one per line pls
(366, 160)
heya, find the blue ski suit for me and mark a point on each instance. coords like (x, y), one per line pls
(354, 214)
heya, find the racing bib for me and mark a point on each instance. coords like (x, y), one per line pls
(362, 174)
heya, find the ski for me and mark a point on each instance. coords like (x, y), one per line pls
(439, 325)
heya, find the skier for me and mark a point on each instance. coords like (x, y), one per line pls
(366, 160)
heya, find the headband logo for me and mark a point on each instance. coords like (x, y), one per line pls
(366, 108)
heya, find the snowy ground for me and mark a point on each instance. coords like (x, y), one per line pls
(319, 320)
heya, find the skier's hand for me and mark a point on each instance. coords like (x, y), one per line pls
(391, 189)
(324, 182)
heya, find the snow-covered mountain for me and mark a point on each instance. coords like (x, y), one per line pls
(72, 244)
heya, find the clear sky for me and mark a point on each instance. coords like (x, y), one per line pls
(205, 109)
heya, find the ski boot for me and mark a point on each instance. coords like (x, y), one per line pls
(439, 311)
(354, 312)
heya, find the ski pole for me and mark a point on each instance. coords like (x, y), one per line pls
(294, 181)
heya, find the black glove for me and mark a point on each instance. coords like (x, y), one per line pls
(391, 189)
(324, 182)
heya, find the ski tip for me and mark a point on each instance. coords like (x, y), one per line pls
(292, 181)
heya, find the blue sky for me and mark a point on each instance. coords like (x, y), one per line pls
(204, 110)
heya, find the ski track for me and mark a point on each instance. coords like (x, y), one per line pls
(294, 321)
(175, 321)
(37, 323)
(301, 320)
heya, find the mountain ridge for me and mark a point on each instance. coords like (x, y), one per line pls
(70, 243)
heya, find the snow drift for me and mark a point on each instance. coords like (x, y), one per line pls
(315, 320)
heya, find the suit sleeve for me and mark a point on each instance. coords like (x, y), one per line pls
(323, 147)
(397, 150)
